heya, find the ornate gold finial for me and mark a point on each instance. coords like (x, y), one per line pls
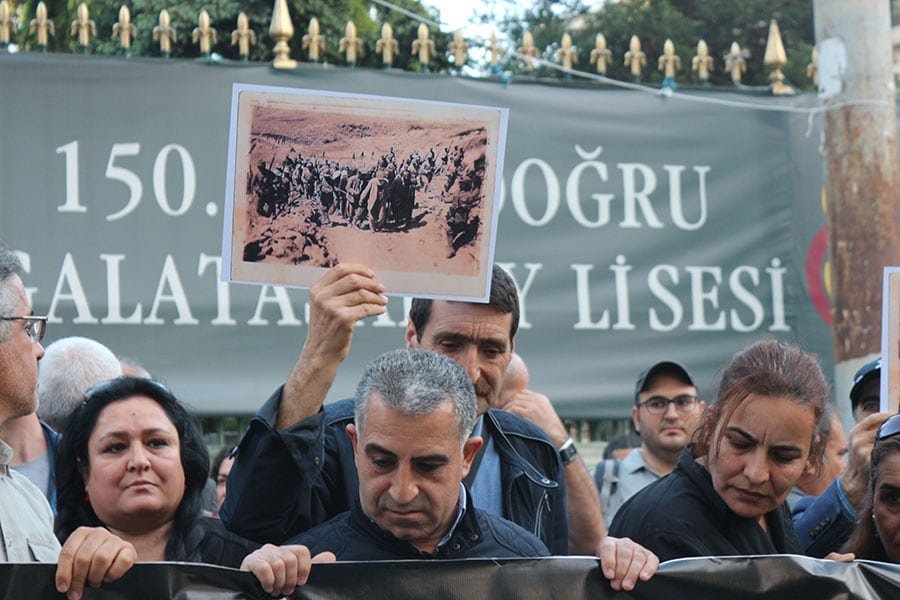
(313, 42)
(812, 69)
(41, 26)
(387, 45)
(567, 54)
(243, 37)
(124, 29)
(350, 43)
(281, 30)
(83, 27)
(776, 58)
(735, 63)
(601, 55)
(635, 58)
(528, 52)
(423, 46)
(459, 48)
(165, 33)
(9, 24)
(497, 51)
(204, 34)
(702, 63)
(669, 64)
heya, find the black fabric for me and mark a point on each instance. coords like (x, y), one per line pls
(285, 482)
(681, 515)
(209, 542)
(354, 536)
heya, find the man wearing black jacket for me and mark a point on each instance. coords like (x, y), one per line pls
(294, 468)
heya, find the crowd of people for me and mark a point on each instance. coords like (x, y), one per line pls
(375, 193)
(444, 452)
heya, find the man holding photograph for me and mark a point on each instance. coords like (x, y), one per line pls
(295, 466)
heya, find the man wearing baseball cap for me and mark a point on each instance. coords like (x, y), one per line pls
(666, 412)
(865, 395)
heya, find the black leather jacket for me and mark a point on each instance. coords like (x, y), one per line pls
(285, 482)
(354, 536)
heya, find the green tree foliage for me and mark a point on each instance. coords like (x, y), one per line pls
(685, 22)
(331, 14)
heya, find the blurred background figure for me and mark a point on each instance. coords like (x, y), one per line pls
(70, 366)
(132, 368)
(621, 446)
(814, 482)
(221, 467)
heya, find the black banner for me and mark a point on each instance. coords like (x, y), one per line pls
(560, 578)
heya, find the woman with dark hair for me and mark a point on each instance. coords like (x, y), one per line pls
(726, 496)
(132, 460)
(877, 533)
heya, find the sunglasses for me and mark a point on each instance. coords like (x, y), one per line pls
(113, 385)
(889, 428)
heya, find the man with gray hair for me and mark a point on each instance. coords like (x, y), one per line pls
(70, 366)
(414, 413)
(91, 554)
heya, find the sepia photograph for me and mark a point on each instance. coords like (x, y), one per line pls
(890, 341)
(409, 188)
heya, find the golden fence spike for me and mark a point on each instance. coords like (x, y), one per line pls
(459, 48)
(567, 54)
(497, 51)
(8, 25)
(204, 34)
(669, 64)
(528, 51)
(124, 29)
(313, 42)
(423, 47)
(812, 69)
(601, 55)
(635, 59)
(243, 37)
(775, 58)
(164, 33)
(41, 26)
(83, 27)
(702, 63)
(735, 63)
(281, 30)
(351, 45)
(387, 45)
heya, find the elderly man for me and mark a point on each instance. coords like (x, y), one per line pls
(91, 555)
(412, 443)
(294, 468)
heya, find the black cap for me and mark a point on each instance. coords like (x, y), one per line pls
(866, 373)
(666, 367)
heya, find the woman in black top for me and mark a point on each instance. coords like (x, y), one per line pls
(727, 494)
(132, 460)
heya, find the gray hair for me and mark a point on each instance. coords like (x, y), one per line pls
(9, 266)
(70, 366)
(417, 382)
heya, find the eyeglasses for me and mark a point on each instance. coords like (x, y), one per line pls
(889, 428)
(657, 405)
(36, 327)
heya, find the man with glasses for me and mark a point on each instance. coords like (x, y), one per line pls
(666, 412)
(91, 554)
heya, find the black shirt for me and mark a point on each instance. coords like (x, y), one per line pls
(682, 515)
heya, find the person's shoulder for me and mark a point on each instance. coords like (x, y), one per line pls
(339, 411)
(514, 425)
(333, 535)
(509, 536)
